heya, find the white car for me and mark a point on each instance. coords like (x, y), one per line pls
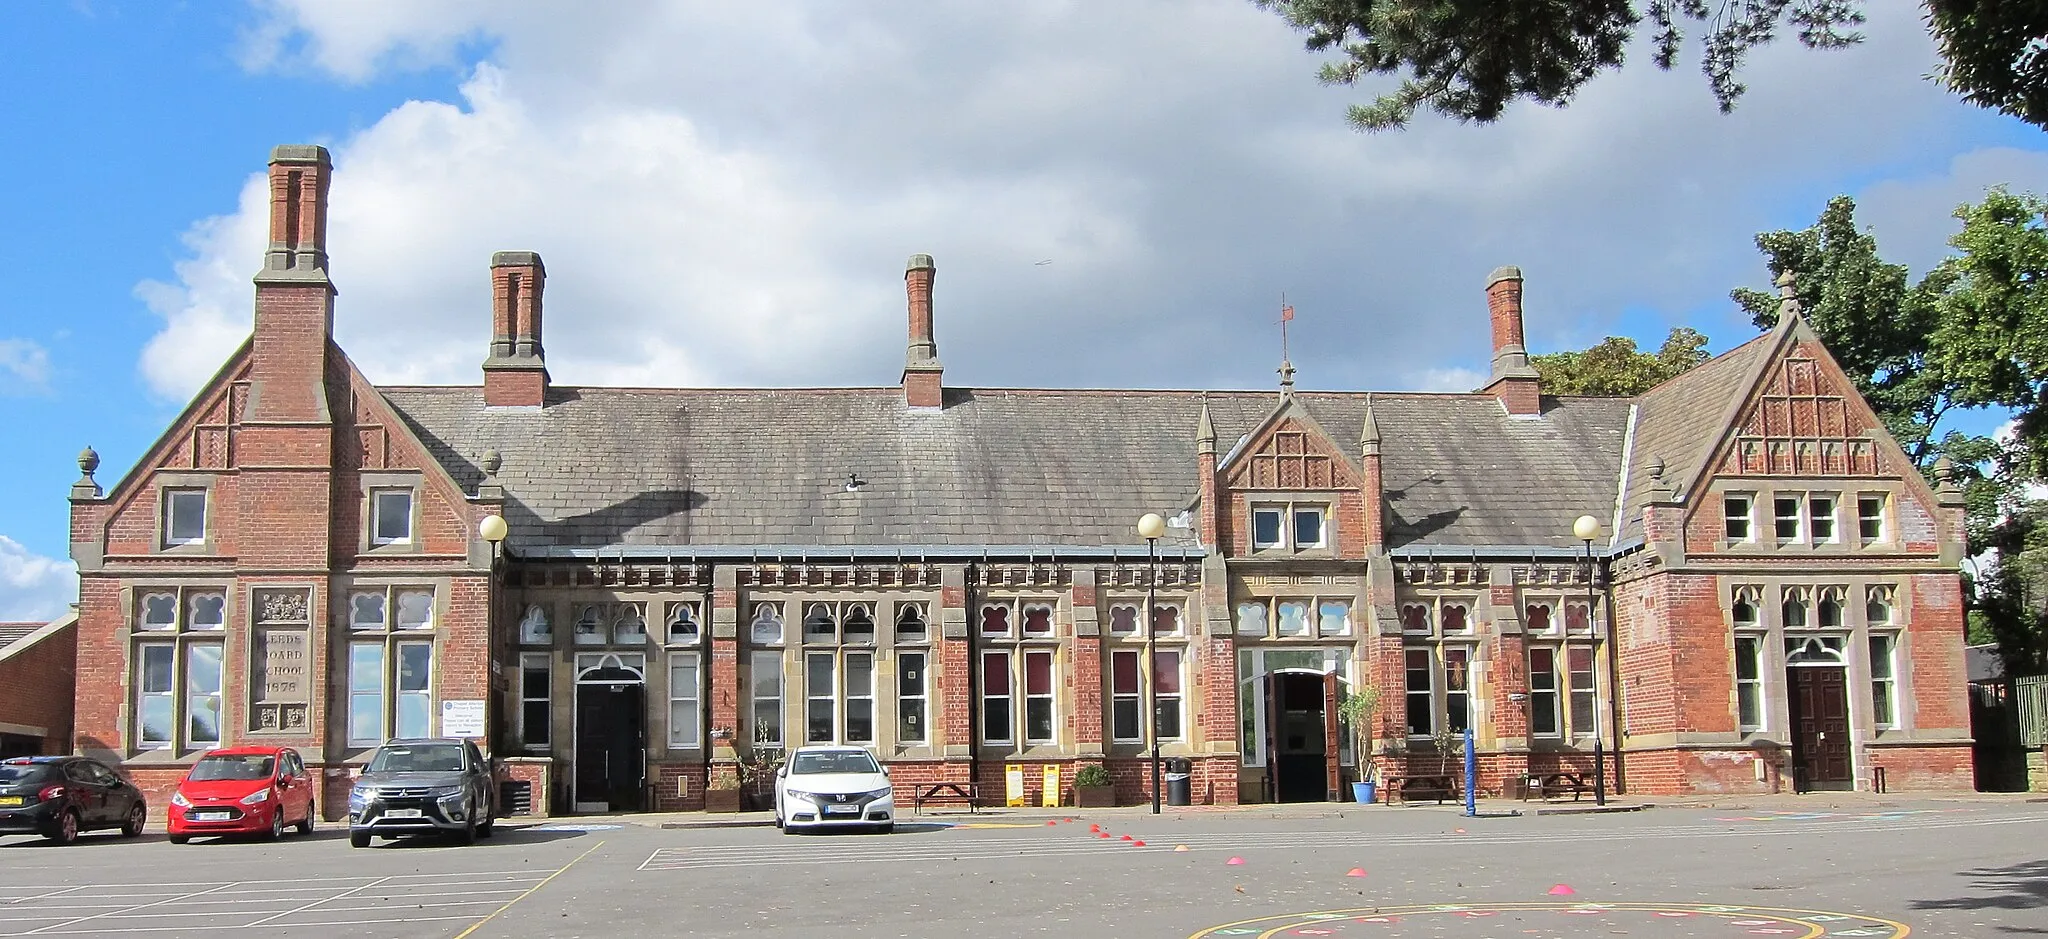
(822, 788)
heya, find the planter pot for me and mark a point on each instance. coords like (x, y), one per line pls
(721, 800)
(1094, 797)
(1364, 792)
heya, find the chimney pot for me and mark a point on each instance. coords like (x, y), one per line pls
(1514, 379)
(922, 373)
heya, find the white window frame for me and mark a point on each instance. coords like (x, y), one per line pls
(1746, 518)
(1294, 536)
(768, 615)
(1824, 527)
(1881, 518)
(163, 692)
(1884, 688)
(1427, 694)
(173, 497)
(1753, 686)
(765, 689)
(1796, 518)
(1464, 654)
(685, 699)
(530, 664)
(1307, 606)
(1263, 619)
(828, 695)
(1038, 611)
(381, 508)
(1008, 698)
(389, 691)
(1548, 697)
(1050, 697)
(913, 687)
(1289, 527)
(185, 632)
(1279, 514)
(1132, 695)
(681, 612)
(1577, 694)
(1171, 702)
(1323, 618)
(536, 626)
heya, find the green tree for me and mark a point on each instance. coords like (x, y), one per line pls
(1992, 339)
(1615, 368)
(1469, 60)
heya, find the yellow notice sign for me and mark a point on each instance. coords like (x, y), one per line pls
(1013, 785)
(1051, 797)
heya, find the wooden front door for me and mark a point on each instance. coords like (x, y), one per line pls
(1332, 760)
(1820, 727)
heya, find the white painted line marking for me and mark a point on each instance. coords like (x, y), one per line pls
(41, 896)
(127, 910)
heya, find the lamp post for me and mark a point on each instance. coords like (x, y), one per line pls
(493, 530)
(1150, 528)
(1586, 528)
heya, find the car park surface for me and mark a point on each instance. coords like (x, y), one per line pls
(1958, 869)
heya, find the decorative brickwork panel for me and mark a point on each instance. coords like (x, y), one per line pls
(1294, 455)
(1803, 424)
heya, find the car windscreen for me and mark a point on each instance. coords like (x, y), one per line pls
(850, 761)
(250, 767)
(23, 773)
(417, 758)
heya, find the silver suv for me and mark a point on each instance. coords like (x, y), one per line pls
(423, 787)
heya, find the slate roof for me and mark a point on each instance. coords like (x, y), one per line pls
(10, 632)
(730, 468)
(1681, 420)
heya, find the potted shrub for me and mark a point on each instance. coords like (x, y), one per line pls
(1093, 789)
(1360, 711)
(722, 793)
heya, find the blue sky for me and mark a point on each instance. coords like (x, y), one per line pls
(725, 195)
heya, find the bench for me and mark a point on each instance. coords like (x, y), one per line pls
(1413, 788)
(945, 792)
(1545, 786)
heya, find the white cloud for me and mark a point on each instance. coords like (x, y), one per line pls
(725, 193)
(34, 587)
(24, 366)
(1448, 379)
(1913, 218)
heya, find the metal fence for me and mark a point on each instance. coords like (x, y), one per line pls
(2030, 699)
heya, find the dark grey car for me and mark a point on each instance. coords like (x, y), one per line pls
(423, 787)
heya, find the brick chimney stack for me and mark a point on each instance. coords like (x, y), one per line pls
(516, 374)
(921, 368)
(1514, 379)
(294, 298)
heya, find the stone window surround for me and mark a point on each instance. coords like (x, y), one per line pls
(1017, 743)
(885, 606)
(1763, 492)
(1110, 602)
(545, 664)
(342, 636)
(838, 694)
(1856, 590)
(1287, 502)
(166, 483)
(1566, 689)
(1474, 600)
(1855, 631)
(1560, 606)
(366, 536)
(133, 636)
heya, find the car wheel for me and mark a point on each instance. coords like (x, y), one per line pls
(466, 835)
(276, 825)
(886, 828)
(489, 826)
(359, 839)
(66, 829)
(181, 839)
(305, 826)
(137, 816)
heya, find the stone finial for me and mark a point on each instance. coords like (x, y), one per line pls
(1944, 474)
(1205, 431)
(1788, 295)
(490, 462)
(1286, 377)
(85, 487)
(88, 461)
(1369, 435)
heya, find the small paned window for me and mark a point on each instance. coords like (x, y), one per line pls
(535, 692)
(1457, 689)
(1039, 726)
(1166, 693)
(1821, 518)
(184, 517)
(910, 697)
(819, 697)
(1870, 517)
(391, 516)
(1877, 605)
(1266, 528)
(910, 623)
(1543, 711)
(995, 697)
(1580, 662)
(1126, 707)
(1883, 680)
(1421, 693)
(1830, 608)
(1792, 611)
(156, 704)
(683, 697)
(1744, 604)
(1785, 517)
(1251, 619)
(819, 625)
(1749, 684)
(1293, 618)
(859, 625)
(1736, 509)
(859, 691)
(765, 675)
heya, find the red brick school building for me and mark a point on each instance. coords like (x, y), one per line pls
(953, 577)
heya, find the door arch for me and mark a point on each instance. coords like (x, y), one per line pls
(610, 731)
(1817, 692)
(1302, 745)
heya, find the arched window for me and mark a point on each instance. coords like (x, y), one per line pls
(819, 626)
(534, 628)
(1877, 606)
(1830, 608)
(766, 628)
(1817, 650)
(910, 623)
(860, 626)
(683, 628)
(590, 626)
(1793, 610)
(629, 628)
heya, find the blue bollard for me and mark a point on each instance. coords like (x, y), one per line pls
(1471, 777)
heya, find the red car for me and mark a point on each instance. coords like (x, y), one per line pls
(243, 791)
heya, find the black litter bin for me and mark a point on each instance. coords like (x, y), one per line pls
(1180, 786)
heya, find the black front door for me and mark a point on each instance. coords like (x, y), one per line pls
(1820, 727)
(610, 755)
(1300, 738)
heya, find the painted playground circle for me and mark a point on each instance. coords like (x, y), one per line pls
(1559, 920)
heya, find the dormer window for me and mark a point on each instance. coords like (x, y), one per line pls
(1292, 527)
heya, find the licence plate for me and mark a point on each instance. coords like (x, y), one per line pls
(842, 810)
(211, 816)
(402, 813)
(13, 800)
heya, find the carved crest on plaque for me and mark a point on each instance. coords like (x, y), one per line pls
(281, 606)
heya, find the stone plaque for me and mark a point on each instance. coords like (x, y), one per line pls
(283, 680)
